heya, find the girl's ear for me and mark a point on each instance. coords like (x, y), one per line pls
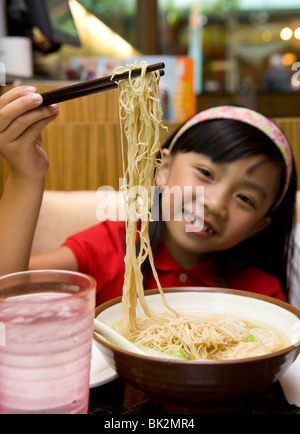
(163, 171)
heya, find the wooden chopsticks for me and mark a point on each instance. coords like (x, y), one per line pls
(94, 86)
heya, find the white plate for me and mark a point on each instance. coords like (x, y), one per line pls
(290, 383)
(101, 372)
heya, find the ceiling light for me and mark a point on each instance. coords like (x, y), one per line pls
(297, 33)
(286, 34)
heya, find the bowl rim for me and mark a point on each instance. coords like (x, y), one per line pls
(102, 307)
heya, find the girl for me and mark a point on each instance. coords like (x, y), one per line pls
(245, 165)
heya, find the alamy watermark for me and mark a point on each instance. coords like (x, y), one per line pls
(296, 77)
(178, 204)
(2, 335)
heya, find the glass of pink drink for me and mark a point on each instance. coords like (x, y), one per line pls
(46, 332)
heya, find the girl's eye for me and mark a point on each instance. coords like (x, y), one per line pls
(246, 200)
(205, 172)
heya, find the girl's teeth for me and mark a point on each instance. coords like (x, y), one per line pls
(194, 220)
(198, 223)
(189, 216)
(207, 230)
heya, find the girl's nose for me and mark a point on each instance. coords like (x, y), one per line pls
(216, 200)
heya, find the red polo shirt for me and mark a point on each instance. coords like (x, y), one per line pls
(100, 253)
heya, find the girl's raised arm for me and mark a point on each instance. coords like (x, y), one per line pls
(21, 122)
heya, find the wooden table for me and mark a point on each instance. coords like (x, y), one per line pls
(119, 399)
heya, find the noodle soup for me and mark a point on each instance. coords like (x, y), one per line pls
(206, 386)
(204, 325)
(206, 337)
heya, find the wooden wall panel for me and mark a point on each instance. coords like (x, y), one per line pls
(84, 143)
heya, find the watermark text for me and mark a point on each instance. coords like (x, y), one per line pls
(133, 204)
(296, 76)
(2, 335)
(2, 74)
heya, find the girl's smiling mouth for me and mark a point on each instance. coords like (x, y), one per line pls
(197, 224)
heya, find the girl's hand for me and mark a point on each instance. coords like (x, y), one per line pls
(21, 122)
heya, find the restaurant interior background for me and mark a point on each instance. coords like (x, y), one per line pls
(233, 43)
(244, 52)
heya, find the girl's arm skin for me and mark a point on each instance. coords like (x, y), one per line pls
(21, 122)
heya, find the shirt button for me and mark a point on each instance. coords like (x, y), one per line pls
(183, 277)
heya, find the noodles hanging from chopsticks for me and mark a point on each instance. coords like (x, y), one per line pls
(141, 112)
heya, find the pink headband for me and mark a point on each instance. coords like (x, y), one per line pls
(250, 117)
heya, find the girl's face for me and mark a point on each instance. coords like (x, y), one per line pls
(237, 198)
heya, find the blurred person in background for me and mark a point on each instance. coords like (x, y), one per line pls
(277, 77)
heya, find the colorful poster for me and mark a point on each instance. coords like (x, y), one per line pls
(178, 96)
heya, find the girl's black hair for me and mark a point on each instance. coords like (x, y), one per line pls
(225, 140)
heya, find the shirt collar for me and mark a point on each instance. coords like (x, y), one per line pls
(206, 271)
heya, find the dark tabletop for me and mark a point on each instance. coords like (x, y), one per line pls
(118, 398)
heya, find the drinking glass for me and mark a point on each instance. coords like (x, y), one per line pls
(46, 332)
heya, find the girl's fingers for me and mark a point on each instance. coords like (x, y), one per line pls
(19, 125)
(32, 133)
(21, 122)
(15, 109)
(15, 93)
